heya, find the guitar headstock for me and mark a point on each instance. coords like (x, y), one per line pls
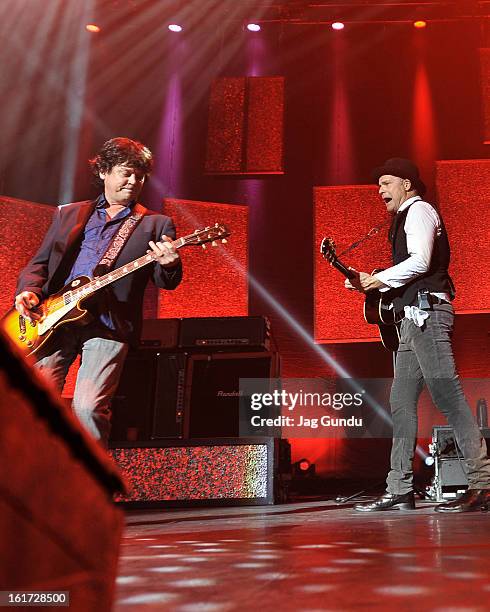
(327, 249)
(212, 234)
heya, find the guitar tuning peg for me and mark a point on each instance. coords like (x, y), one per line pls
(203, 246)
(224, 240)
(213, 243)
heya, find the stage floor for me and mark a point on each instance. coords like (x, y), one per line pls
(304, 556)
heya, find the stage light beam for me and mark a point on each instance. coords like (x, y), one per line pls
(175, 27)
(253, 27)
(338, 25)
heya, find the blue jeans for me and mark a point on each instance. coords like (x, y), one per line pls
(425, 356)
(101, 365)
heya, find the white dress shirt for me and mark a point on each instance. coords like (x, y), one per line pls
(422, 226)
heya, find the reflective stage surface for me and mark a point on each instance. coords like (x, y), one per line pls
(304, 556)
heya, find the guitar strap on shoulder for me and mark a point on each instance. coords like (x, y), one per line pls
(119, 240)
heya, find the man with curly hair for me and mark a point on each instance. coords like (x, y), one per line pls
(79, 240)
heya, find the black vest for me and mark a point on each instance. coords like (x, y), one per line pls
(436, 279)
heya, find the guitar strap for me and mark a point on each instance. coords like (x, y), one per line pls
(119, 240)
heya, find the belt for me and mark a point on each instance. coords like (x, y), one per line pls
(437, 301)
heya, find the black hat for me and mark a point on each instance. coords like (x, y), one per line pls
(403, 168)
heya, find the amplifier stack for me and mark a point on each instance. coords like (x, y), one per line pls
(175, 424)
(183, 382)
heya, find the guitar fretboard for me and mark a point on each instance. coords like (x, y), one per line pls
(73, 296)
(114, 275)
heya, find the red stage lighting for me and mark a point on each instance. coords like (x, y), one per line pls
(174, 27)
(420, 24)
(91, 27)
(304, 465)
(338, 25)
(304, 469)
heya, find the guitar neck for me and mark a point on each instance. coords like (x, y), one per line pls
(114, 275)
(343, 269)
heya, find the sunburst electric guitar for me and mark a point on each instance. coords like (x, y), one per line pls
(66, 306)
(378, 308)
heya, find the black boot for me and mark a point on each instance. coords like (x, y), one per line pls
(471, 501)
(388, 501)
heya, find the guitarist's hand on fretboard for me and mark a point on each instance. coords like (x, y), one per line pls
(369, 282)
(354, 283)
(166, 251)
(363, 282)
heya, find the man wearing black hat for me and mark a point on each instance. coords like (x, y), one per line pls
(422, 289)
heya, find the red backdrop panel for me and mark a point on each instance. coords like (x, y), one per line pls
(346, 214)
(464, 194)
(485, 92)
(245, 126)
(225, 125)
(22, 228)
(215, 280)
(265, 124)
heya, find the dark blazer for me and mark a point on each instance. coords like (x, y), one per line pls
(47, 271)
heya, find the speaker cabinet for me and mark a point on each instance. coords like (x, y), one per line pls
(148, 403)
(212, 391)
(160, 333)
(177, 395)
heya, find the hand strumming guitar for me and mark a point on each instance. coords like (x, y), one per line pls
(25, 302)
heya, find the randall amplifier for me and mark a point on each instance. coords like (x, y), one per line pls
(449, 476)
(148, 403)
(221, 333)
(160, 333)
(212, 393)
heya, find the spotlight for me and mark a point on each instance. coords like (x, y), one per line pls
(253, 27)
(304, 469)
(91, 27)
(303, 465)
(338, 25)
(174, 27)
(429, 461)
(420, 24)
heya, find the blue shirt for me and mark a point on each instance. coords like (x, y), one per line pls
(97, 237)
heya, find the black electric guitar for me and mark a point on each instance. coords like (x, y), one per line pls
(66, 306)
(378, 309)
